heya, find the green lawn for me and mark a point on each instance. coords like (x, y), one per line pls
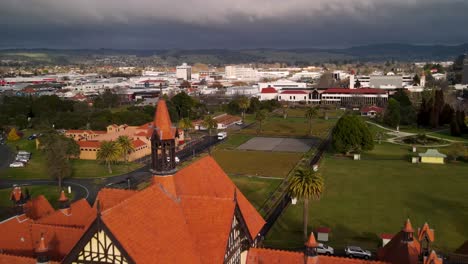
(36, 167)
(234, 140)
(257, 190)
(363, 199)
(256, 163)
(52, 193)
(291, 127)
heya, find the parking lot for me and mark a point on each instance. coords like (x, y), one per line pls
(279, 144)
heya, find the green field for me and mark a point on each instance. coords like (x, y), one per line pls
(234, 140)
(363, 199)
(257, 190)
(52, 194)
(256, 163)
(36, 167)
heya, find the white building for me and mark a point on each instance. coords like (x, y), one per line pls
(269, 93)
(307, 74)
(184, 72)
(237, 72)
(242, 90)
(270, 74)
(284, 85)
(294, 96)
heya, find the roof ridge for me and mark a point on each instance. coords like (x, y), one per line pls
(168, 193)
(280, 250)
(57, 226)
(206, 197)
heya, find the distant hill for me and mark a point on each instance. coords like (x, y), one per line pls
(369, 53)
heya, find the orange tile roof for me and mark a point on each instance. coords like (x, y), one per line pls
(264, 256)
(426, 231)
(150, 226)
(226, 119)
(138, 143)
(11, 259)
(194, 180)
(167, 183)
(111, 197)
(162, 122)
(432, 259)
(38, 207)
(398, 251)
(89, 144)
(80, 214)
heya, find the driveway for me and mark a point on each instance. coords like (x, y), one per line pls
(5, 156)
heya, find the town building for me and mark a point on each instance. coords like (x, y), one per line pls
(294, 96)
(223, 121)
(354, 97)
(284, 85)
(371, 111)
(184, 72)
(237, 72)
(269, 93)
(432, 156)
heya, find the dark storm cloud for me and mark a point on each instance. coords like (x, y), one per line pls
(229, 24)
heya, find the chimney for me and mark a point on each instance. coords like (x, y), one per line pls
(42, 252)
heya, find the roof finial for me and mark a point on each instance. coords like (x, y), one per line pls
(41, 251)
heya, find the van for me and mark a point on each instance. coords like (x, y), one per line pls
(222, 135)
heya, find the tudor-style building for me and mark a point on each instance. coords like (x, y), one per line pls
(194, 215)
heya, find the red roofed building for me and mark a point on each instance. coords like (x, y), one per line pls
(354, 97)
(269, 93)
(371, 111)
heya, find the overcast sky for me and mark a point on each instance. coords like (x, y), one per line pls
(197, 24)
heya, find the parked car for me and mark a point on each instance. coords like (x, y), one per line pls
(222, 135)
(23, 160)
(357, 252)
(239, 123)
(22, 152)
(32, 137)
(324, 249)
(177, 160)
(17, 164)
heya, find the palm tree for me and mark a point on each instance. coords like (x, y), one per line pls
(244, 104)
(109, 152)
(310, 113)
(306, 184)
(126, 147)
(260, 116)
(186, 125)
(209, 123)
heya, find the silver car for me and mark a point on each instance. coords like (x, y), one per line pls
(357, 252)
(324, 249)
(17, 164)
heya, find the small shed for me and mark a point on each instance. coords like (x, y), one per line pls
(385, 238)
(357, 156)
(432, 156)
(323, 234)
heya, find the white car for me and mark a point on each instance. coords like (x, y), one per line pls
(239, 123)
(17, 164)
(324, 249)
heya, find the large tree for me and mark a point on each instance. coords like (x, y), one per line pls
(392, 113)
(310, 114)
(109, 152)
(351, 133)
(305, 185)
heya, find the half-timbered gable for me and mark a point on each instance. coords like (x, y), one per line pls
(239, 239)
(98, 246)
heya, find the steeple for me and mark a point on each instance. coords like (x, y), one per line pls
(163, 142)
(408, 231)
(311, 246)
(41, 252)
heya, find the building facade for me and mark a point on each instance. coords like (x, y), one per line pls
(184, 72)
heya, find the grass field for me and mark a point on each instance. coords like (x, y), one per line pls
(234, 140)
(256, 163)
(363, 199)
(36, 167)
(257, 190)
(52, 194)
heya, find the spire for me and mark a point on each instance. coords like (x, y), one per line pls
(407, 231)
(63, 201)
(162, 121)
(41, 251)
(311, 243)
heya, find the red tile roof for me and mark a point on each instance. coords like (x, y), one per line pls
(323, 230)
(426, 231)
(408, 227)
(38, 207)
(63, 197)
(269, 90)
(11, 259)
(162, 122)
(432, 259)
(354, 91)
(80, 214)
(398, 251)
(109, 198)
(386, 236)
(89, 144)
(294, 92)
(269, 256)
(138, 143)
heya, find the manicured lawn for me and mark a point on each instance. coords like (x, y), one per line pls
(256, 163)
(257, 190)
(234, 140)
(52, 193)
(291, 127)
(36, 167)
(363, 199)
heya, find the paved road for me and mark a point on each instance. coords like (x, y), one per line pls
(5, 156)
(89, 188)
